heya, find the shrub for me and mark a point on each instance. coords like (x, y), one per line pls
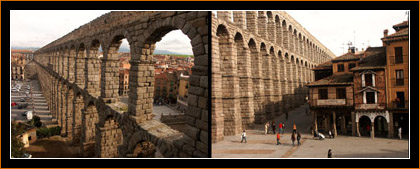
(47, 132)
(36, 121)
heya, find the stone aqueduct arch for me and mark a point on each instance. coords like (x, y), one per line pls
(82, 90)
(255, 82)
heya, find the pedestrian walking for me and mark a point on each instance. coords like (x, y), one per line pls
(298, 138)
(280, 127)
(278, 139)
(329, 133)
(266, 128)
(329, 153)
(294, 128)
(293, 139)
(400, 132)
(243, 136)
(333, 133)
(284, 128)
(287, 116)
(273, 126)
(368, 129)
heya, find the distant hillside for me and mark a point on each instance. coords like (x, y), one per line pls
(166, 52)
(25, 48)
(156, 52)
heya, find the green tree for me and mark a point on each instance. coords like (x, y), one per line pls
(36, 121)
(17, 144)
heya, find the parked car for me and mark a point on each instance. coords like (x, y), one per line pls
(14, 104)
(21, 106)
(22, 99)
(26, 155)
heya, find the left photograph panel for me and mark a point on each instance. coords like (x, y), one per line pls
(109, 84)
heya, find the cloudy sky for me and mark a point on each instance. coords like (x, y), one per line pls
(335, 28)
(37, 28)
(332, 28)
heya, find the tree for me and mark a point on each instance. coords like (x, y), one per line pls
(17, 144)
(36, 121)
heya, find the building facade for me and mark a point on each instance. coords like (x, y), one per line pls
(331, 98)
(397, 67)
(364, 93)
(371, 117)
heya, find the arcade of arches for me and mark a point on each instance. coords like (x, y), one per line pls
(82, 89)
(261, 62)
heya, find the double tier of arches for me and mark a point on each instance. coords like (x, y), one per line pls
(257, 75)
(83, 88)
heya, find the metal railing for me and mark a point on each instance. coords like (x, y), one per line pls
(399, 105)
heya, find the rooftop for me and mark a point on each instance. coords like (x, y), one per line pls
(342, 79)
(346, 57)
(375, 58)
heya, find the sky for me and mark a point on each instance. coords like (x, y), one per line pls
(334, 28)
(37, 28)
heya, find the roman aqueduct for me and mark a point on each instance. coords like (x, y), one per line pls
(261, 62)
(82, 89)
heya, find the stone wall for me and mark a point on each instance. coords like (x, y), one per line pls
(70, 64)
(261, 62)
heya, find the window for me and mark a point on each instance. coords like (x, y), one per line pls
(398, 55)
(341, 93)
(370, 97)
(400, 100)
(322, 94)
(352, 65)
(368, 79)
(399, 77)
(340, 67)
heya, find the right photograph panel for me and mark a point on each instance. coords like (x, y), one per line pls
(310, 84)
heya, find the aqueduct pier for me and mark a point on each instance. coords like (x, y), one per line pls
(82, 89)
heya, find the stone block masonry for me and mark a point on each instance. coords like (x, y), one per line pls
(82, 89)
(261, 62)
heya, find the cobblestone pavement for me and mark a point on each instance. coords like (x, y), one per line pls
(260, 145)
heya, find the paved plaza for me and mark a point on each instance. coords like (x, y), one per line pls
(260, 145)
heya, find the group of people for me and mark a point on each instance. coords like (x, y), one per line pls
(294, 137)
(273, 127)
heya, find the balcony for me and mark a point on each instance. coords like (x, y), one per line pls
(397, 82)
(399, 105)
(369, 106)
(396, 60)
(331, 102)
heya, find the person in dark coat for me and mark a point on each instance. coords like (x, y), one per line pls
(329, 153)
(273, 126)
(298, 138)
(293, 139)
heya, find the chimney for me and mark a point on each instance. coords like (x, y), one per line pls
(385, 32)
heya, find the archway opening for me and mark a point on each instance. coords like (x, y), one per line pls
(173, 60)
(124, 56)
(381, 127)
(365, 126)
